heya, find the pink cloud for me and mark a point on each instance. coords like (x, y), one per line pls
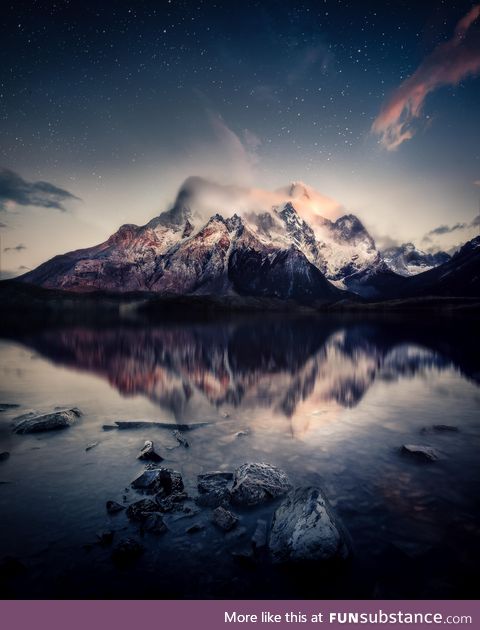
(447, 64)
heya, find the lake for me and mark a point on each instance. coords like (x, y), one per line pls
(330, 400)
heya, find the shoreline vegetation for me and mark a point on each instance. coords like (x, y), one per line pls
(21, 302)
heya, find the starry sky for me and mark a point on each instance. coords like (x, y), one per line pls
(105, 108)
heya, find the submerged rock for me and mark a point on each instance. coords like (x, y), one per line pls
(304, 529)
(8, 406)
(154, 524)
(193, 529)
(214, 488)
(33, 423)
(113, 507)
(258, 482)
(105, 537)
(425, 453)
(224, 518)
(127, 551)
(441, 428)
(148, 453)
(4, 456)
(140, 510)
(180, 439)
(109, 427)
(91, 445)
(145, 424)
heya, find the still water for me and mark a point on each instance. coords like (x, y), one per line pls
(329, 400)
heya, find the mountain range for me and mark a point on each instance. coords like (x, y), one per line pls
(270, 252)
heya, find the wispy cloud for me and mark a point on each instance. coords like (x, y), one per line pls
(241, 156)
(14, 190)
(446, 229)
(447, 64)
(17, 248)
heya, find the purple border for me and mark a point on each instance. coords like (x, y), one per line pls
(179, 614)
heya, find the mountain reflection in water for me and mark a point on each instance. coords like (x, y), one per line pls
(283, 366)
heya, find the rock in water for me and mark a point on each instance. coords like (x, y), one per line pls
(224, 519)
(171, 502)
(148, 453)
(180, 439)
(47, 422)
(4, 456)
(258, 482)
(159, 480)
(140, 510)
(154, 524)
(425, 453)
(113, 507)
(214, 488)
(127, 551)
(304, 529)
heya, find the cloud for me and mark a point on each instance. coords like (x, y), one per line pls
(14, 190)
(441, 230)
(17, 248)
(476, 182)
(240, 156)
(3, 225)
(206, 197)
(447, 64)
(446, 229)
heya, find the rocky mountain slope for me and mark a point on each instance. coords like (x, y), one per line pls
(273, 253)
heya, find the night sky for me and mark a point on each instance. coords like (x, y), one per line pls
(375, 104)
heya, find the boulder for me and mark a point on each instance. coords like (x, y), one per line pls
(171, 502)
(214, 488)
(159, 480)
(255, 483)
(304, 529)
(148, 453)
(113, 507)
(140, 510)
(423, 453)
(127, 551)
(33, 423)
(224, 519)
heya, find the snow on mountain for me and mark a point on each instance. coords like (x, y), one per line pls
(274, 252)
(407, 260)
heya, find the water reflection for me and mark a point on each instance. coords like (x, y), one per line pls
(312, 364)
